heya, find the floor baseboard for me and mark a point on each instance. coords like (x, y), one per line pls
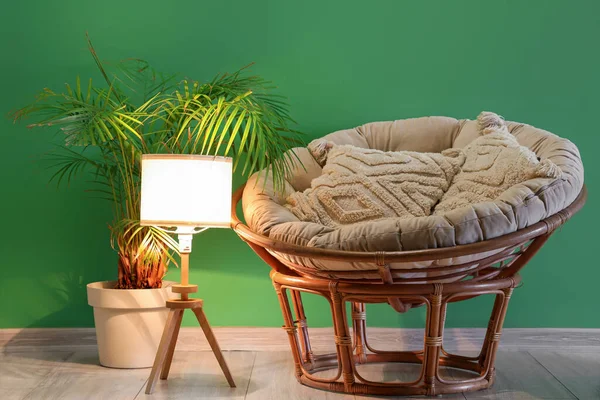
(275, 339)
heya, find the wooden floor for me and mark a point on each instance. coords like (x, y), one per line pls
(63, 364)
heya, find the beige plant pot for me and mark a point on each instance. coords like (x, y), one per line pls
(129, 323)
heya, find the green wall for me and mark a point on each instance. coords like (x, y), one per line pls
(341, 63)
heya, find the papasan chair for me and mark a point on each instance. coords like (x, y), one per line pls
(456, 249)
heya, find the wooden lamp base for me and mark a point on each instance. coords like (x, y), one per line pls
(164, 355)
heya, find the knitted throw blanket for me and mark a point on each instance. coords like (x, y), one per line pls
(360, 185)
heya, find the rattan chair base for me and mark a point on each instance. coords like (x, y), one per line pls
(437, 286)
(353, 348)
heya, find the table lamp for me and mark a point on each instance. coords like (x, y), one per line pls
(185, 194)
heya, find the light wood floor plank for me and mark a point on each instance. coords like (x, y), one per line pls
(578, 371)
(273, 379)
(82, 377)
(397, 372)
(275, 339)
(22, 372)
(57, 338)
(14, 393)
(197, 375)
(520, 377)
(36, 364)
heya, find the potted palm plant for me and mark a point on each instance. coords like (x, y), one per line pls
(106, 130)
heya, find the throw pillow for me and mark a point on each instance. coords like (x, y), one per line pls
(494, 162)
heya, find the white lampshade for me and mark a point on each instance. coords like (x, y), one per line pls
(186, 190)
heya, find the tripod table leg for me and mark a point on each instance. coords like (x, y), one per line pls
(167, 364)
(213, 343)
(162, 350)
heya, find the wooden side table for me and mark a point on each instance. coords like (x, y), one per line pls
(168, 341)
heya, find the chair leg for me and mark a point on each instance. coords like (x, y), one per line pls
(169, 358)
(492, 338)
(359, 325)
(162, 350)
(343, 340)
(290, 328)
(213, 344)
(433, 339)
(307, 353)
(491, 328)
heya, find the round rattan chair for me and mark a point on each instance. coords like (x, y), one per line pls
(429, 277)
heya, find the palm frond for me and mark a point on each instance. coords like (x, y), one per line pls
(233, 115)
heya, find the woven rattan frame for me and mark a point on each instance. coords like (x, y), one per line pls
(495, 275)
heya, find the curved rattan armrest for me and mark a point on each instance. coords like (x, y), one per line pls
(523, 235)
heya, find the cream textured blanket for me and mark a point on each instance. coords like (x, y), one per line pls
(359, 185)
(494, 162)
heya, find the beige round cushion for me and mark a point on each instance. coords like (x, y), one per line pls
(520, 206)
